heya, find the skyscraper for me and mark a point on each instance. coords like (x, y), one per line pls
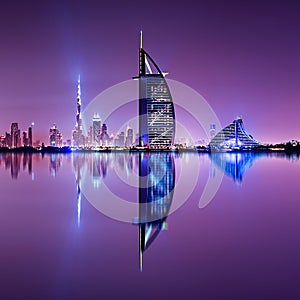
(78, 137)
(8, 139)
(55, 137)
(30, 136)
(25, 139)
(96, 130)
(15, 135)
(156, 109)
(129, 137)
(104, 138)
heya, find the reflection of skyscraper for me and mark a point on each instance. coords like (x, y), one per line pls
(156, 109)
(15, 165)
(96, 130)
(12, 162)
(55, 163)
(155, 198)
(78, 164)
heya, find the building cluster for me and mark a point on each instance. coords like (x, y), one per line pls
(156, 122)
(97, 133)
(16, 138)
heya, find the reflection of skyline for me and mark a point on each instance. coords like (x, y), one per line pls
(155, 197)
(13, 161)
(235, 164)
(160, 168)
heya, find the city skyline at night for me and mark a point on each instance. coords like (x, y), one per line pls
(243, 58)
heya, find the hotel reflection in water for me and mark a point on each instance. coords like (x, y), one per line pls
(156, 179)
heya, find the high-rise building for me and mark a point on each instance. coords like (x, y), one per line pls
(96, 130)
(122, 139)
(8, 139)
(15, 135)
(78, 137)
(129, 137)
(30, 136)
(90, 136)
(212, 130)
(25, 139)
(156, 109)
(55, 137)
(104, 138)
(2, 141)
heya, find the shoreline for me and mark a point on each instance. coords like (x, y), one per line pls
(49, 149)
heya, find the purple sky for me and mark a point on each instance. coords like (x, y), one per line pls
(241, 56)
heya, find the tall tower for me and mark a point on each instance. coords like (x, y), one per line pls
(156, 108)
(96, 129)
(15, 135)
(78, 138)
(30, 136)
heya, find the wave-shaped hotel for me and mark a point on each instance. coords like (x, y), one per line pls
(234, 136)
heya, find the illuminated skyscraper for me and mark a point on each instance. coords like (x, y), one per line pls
(30, 136)
(156, 109)
(15, 136)
(129, 137)
(55, 137)
(104, 138)
(96, 129)
(8, 139)
(25, 139)
(78, 137)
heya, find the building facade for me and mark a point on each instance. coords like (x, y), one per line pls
(78, 137)
(55, 137)
(96, 131)
(233, 136)
(15, 136)
(156, 109)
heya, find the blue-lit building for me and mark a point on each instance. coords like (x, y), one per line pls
(156, 109)
(233, 136)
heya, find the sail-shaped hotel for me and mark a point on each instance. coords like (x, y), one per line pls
(156, 108)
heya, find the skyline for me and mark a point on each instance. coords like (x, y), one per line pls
(242, 58)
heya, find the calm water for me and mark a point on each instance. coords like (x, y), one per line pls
(62, 238)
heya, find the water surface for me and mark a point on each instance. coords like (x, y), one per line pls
(56, 244)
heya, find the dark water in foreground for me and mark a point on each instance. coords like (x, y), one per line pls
(61, 238)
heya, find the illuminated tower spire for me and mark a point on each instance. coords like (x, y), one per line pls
(78, 115)
(156, 108)
(78, 134)
(141, 39)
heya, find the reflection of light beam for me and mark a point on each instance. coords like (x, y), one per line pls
(148, 234)
(78, 205)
